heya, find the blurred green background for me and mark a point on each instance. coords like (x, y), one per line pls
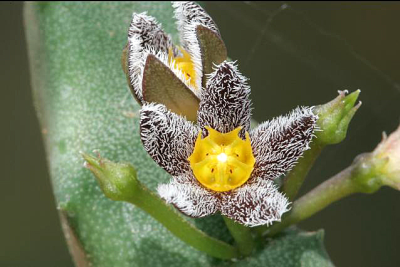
(295, 53)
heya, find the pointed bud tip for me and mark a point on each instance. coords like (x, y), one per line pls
(384, 136)
(90, 161)
(118, 181)
(343, 93)
(351, 99)
(335, 116)
(86, 165)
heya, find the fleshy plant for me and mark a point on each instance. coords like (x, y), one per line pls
(194, 122)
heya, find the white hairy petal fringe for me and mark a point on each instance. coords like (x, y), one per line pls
(225, 103)
(145, 34)
(187, 12)
(136, 63)
(189, 197)
(279, 143)
(167, 137)
(150, 31)
(254, 204)
(189, 15)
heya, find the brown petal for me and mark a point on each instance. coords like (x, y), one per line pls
(279, 143)
(225, 103)
(168, 138)
(200, 37)
(188, 196)
(255, 204)
(145, 34)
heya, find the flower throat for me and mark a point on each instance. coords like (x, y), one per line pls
(222, 162)
(185, 64)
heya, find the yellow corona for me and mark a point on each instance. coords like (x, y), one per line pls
(222, 162)
(185, 64)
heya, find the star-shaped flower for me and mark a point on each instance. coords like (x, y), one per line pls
(216, 161)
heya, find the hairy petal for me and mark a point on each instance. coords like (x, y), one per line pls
(189, 15)
(168, 138)
(145, 34)
(188, 196)
(255, 204)
(278, 144)
(150, 32)
(225, 103)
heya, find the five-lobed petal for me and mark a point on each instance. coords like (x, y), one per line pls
(225, 103)
(279, 143)
(167, 137)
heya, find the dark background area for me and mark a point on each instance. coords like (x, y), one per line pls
(295, 53)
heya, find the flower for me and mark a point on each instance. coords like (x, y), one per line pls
(389, 151)
(217, 163)
(180, 71)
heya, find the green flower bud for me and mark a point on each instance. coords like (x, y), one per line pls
(335, 116)
(364, 174)
(118, 181)
(388, 150)
(380, 167)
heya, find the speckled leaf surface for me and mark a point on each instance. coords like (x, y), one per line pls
(292, 248)
(84, 103)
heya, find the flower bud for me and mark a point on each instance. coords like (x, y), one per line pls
(118, 181)
(380, 167)
(389, 150)
(334, 117)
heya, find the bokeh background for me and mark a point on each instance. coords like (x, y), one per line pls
(295, 53)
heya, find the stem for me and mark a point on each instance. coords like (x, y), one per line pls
(170, 219)
(119, 182)
(242, 235)
(339, 186)
(295, 178)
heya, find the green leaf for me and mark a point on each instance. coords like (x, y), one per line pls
(292, 248)
(84, 103)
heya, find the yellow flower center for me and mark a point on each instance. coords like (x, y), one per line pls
(222, 162)
(185, 64)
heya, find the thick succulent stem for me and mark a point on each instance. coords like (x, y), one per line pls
(242, 235)
(323, 195)
(118, 181)
(170, 219)
(363, 176)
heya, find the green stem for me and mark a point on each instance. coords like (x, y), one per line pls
(296, 176)
(242, 235)
(170, 219)
(339, 186)
(119, 182)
